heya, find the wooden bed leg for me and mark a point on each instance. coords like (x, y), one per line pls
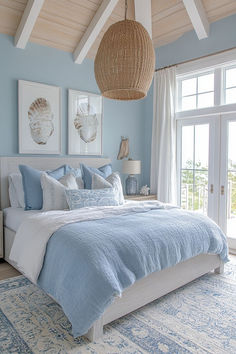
(96, 331)
(220, 269)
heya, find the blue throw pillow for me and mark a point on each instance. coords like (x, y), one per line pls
(76, 171)
(80, 198)
(59, 172)
(88, 172)
(33, 192)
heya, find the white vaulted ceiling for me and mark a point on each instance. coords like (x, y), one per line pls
(62, 23)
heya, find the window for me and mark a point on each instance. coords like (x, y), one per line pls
(212, 88)
(196, 92)
(230, 85)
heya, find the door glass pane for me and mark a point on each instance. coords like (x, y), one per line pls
(187, 198)
(201, 146)
(201, 191)
(231, 187)
(187, 146)
(232, 146)
(194, 169)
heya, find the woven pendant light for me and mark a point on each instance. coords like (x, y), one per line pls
(125, 61)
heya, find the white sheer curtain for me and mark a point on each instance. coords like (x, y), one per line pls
(163, 154)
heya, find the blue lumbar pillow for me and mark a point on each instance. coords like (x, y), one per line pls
(88, 172)
(33, 192)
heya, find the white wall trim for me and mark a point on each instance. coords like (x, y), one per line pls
(27, 22)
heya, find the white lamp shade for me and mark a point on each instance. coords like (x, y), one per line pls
(131, 167)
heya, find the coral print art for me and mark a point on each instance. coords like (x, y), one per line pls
(39, 118)
(84, 123)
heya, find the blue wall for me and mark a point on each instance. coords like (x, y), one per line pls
(55, 67)
(222, 36)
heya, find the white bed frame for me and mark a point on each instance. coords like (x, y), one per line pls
(141, 292)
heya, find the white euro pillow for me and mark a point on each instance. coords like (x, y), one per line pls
(54, 197)
(16, 191)
(69, 181)
(12, 194)
(112, 181)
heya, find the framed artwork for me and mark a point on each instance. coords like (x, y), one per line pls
(39, 109)
(84, 123)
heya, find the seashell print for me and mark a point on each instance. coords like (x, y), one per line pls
(40, 121)
(86, 122)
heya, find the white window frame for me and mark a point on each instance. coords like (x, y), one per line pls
(218, 63)
(224, 82)
(192, 76)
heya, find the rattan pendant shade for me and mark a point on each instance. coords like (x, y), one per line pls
(125, 61)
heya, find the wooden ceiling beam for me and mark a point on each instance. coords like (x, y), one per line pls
(143, 14)
(27, 22)
(93, 30)
(198, 17)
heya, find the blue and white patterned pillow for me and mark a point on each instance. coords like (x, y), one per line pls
(80, 198)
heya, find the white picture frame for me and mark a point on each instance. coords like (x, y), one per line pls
(88, 107)
(39, 118)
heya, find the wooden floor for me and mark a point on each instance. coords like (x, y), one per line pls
(7, 271)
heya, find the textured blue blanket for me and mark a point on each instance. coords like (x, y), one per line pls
(88, 263)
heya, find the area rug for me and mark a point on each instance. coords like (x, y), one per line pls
(198, 318)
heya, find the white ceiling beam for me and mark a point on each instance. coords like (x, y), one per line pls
(27, 22)
(198, 17)
(143, 14)
(93, 30)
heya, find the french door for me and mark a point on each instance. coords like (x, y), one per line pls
(206, 157)
(227, 195)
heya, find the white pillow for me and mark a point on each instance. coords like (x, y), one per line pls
(80, 182)
(69, 181)
(112, 181)
(54, 197)
(16, 180)
(115, 181)
(12, 194)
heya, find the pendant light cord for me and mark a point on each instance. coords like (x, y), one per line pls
(126, 8)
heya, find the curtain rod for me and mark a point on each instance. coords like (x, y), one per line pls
(190, 60)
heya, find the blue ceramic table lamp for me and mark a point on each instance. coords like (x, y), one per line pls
(131, 168)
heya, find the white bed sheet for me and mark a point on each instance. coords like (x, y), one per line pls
(13, 217)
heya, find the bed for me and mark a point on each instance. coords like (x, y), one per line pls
(142, 291)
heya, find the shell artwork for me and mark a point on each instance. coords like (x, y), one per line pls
(40, 121)
(86, 122)
(124, 148)
(145, 190)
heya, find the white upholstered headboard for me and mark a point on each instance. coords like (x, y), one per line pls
(10, 165)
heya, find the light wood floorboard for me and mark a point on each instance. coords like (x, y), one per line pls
(7, 271)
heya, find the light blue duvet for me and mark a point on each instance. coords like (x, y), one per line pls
(88, 263)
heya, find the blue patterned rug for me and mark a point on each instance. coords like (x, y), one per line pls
(198, 318)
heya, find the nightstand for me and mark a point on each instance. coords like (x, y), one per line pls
(141, 197)
(1, 234)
